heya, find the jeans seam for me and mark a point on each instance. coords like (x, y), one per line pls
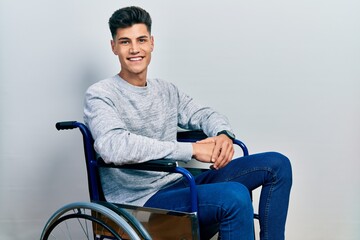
(250, 171)
(222, 209)
(266, 212)
(267, 205)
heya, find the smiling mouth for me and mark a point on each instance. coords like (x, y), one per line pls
(135, 59)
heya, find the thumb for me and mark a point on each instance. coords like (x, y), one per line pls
(206, 140)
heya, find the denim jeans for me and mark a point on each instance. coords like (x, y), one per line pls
(224, 200)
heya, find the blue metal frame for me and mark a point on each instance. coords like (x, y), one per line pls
(90, 157)
(242, 145)
(93, 164)
(192, 185)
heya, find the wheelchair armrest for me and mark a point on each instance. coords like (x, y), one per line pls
(163, 166)
(153, 165)
(191, 136)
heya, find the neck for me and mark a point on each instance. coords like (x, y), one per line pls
(138, 80)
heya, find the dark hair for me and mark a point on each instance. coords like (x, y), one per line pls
(128, 16)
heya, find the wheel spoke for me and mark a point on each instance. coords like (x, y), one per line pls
(84, 228)
(86, 221)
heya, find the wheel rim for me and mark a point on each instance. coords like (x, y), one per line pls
(78, 221)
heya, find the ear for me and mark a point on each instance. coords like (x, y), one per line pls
(152, 43)
(113, 47)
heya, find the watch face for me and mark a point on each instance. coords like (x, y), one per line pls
(230, 134)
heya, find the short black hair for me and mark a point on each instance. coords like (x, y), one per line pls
(128, 16)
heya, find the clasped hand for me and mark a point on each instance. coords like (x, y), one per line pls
(218, 150)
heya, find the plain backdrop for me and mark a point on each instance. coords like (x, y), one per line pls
(286, 73)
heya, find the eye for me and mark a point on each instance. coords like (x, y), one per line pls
(124, 42)
(142, 40)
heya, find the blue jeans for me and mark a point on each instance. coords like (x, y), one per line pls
(224, 199)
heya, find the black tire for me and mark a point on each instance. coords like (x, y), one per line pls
(78, 221)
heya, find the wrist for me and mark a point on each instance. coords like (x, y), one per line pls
(194, 149)
(227, 133)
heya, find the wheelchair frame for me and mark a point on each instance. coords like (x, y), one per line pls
(118, 213)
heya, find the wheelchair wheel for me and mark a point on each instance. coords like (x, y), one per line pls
(84, 220)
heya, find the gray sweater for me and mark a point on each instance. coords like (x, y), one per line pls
(135, 124)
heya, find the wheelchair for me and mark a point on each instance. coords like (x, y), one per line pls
(99, 219)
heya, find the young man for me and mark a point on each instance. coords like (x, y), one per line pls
(134, 119)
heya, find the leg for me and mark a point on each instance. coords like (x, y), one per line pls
(272, 171)
(224, 207)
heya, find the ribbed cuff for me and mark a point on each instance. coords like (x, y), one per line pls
(183, 152)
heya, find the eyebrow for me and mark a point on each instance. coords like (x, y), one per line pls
(126, 38)
(123, 38)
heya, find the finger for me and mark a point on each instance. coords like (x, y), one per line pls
(206, 140)
(227, 152)
(215, 154)
(232, 154)
(227, 158)
(222, 159)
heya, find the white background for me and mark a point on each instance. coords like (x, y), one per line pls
(286, 73)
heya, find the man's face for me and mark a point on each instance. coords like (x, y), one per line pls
(133, 46)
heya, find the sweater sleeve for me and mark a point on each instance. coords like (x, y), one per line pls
(194, 116)
(115, 143)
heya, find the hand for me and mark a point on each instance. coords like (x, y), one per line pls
(203, 152)
(223, 150)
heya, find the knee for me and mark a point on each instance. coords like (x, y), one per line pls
(282, 166)
(236, 197)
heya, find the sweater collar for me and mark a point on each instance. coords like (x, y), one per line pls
(128, 86)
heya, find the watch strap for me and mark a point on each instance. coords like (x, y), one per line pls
(227, 133)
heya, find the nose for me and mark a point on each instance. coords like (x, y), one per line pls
(134, 49)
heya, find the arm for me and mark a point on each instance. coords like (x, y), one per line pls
(115, 142)
(216, 149)
(194, 116)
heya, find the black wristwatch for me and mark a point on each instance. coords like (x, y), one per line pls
(227, 133)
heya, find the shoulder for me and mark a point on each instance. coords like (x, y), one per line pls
(161, 84)
(104, 85)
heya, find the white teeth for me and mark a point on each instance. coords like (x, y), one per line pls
(135, 59)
